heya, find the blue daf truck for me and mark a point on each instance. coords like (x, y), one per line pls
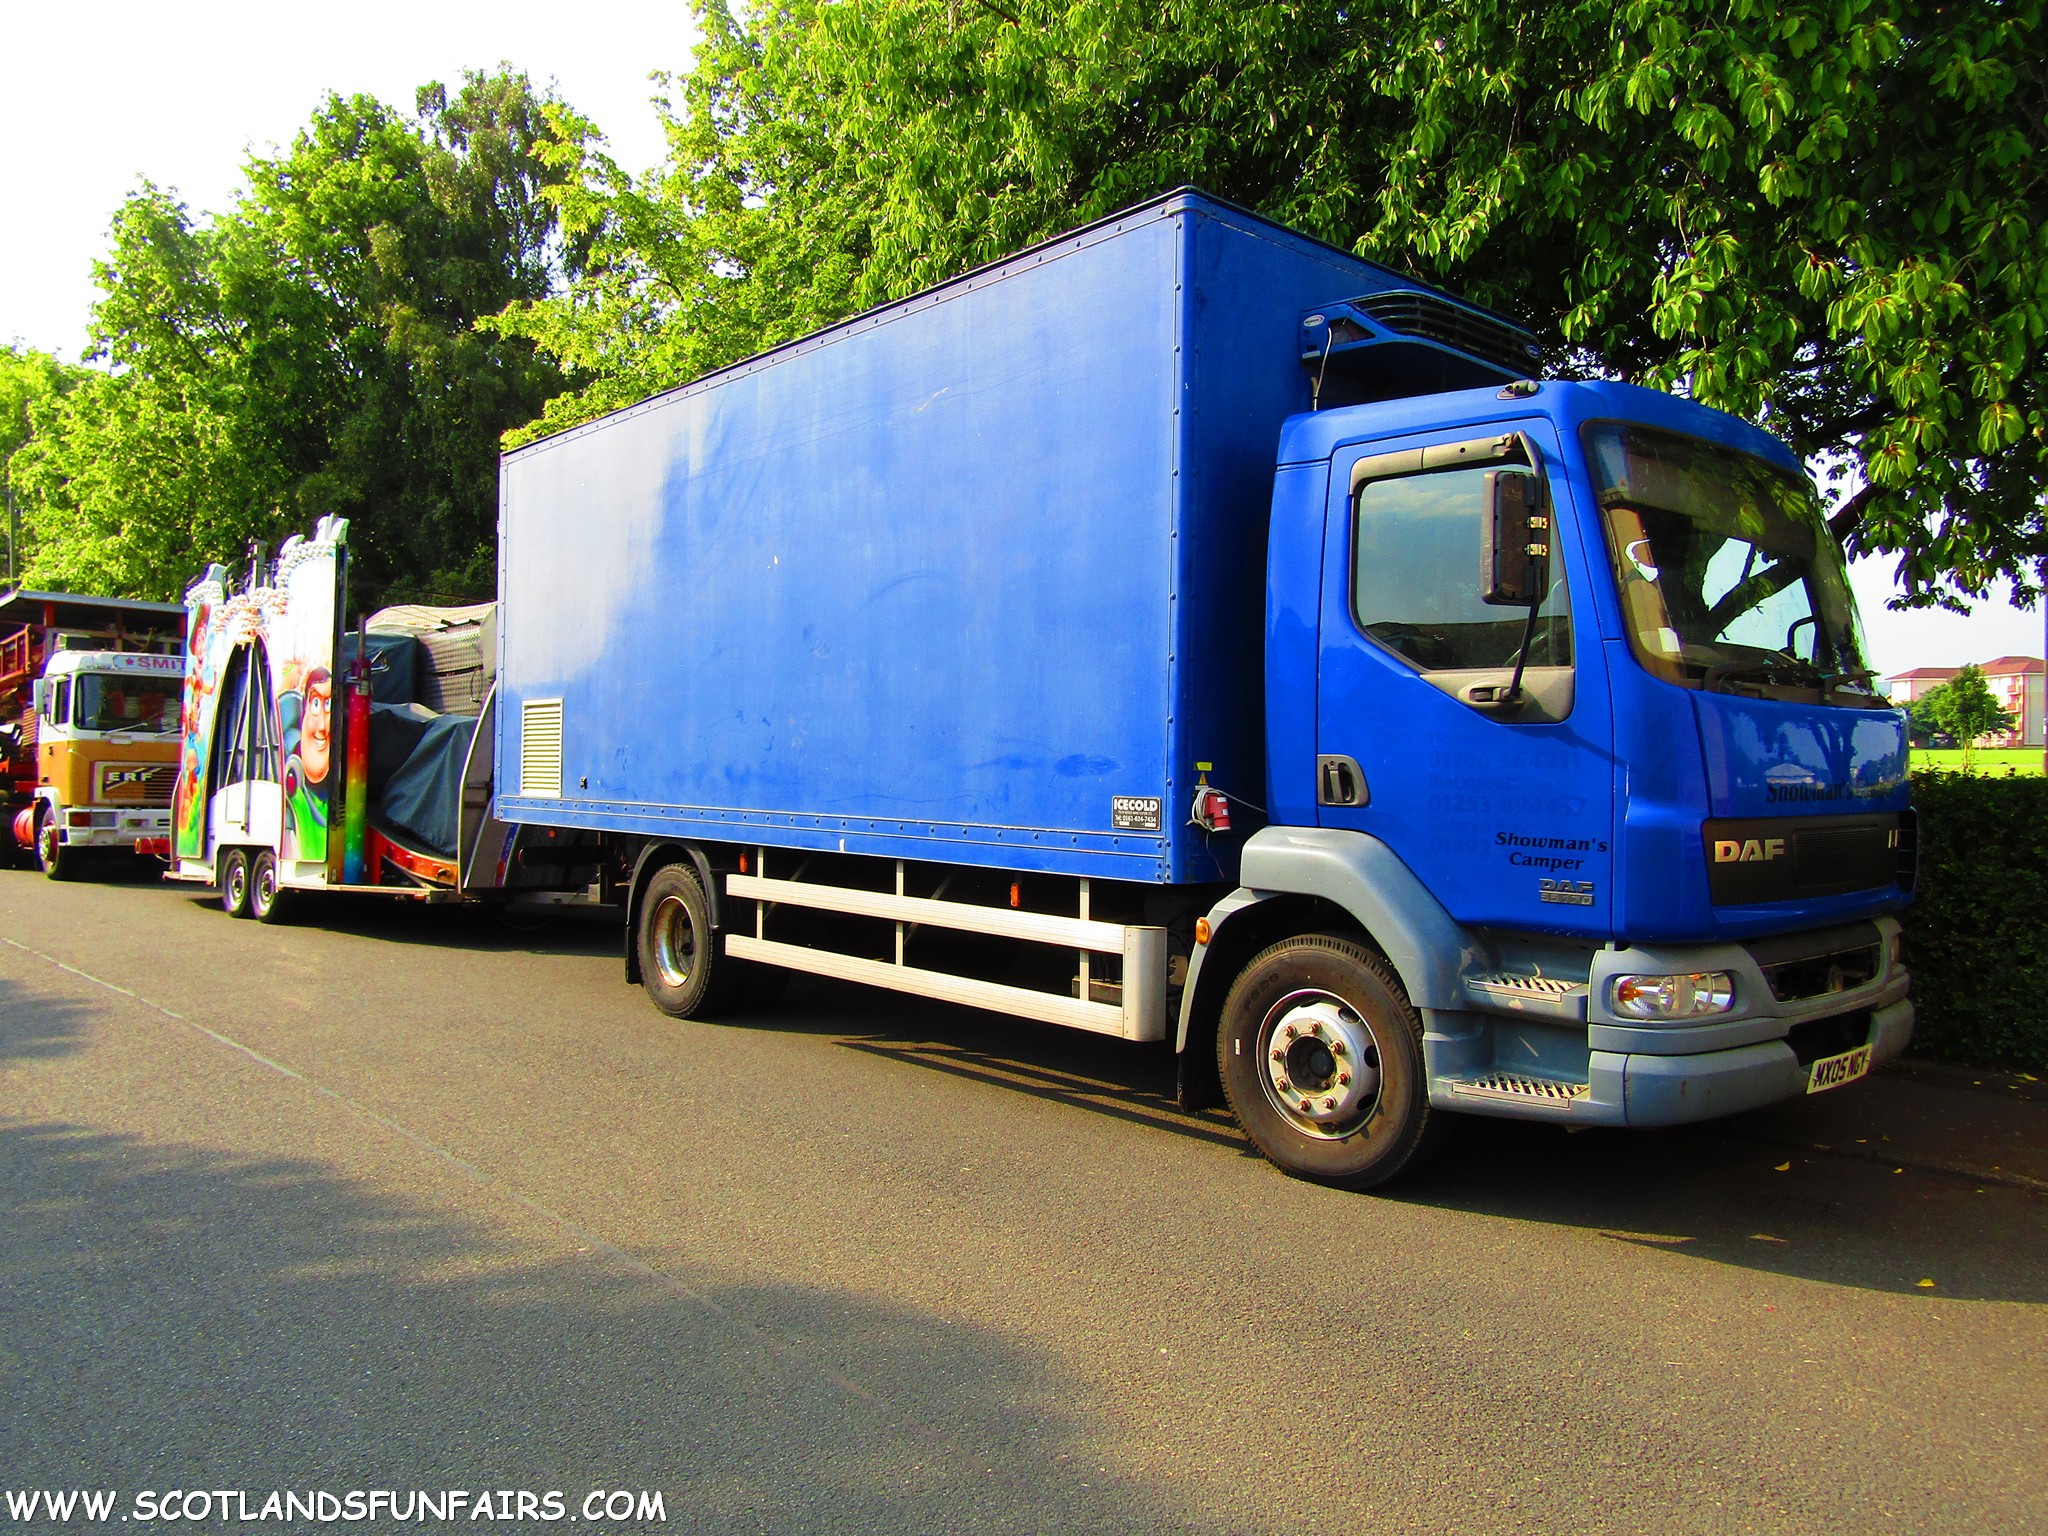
(1186, 631)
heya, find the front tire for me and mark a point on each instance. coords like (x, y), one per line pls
(234, 883)
(58, 862)
(1320, 1053)
(682, 965)
(267, 903)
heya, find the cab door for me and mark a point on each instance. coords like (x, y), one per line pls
(1502, 806)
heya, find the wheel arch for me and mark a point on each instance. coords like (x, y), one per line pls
(652, 858)
(1316, 880)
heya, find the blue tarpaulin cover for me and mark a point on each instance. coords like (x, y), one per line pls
(418, 795)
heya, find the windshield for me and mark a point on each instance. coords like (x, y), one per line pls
(122, 701)
(1729, 576)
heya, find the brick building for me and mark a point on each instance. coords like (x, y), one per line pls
(2017, 682)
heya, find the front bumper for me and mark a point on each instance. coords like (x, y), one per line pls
(1568, 1059)
(1677, 1090)
(116, 829)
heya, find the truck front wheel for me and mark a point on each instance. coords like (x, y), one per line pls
(1321, 1057)
(681, 965)
(58, 861)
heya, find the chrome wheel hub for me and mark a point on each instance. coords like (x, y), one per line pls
(675, 941)
(1320, 1065)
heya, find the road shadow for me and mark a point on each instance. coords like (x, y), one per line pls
(173, 1317)
(35, 1026)
(1122, 1080)
(442, 925)
(1731, 1192)
(1718, 1192)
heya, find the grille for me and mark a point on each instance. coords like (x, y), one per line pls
(1430, 318)
(1844, 858)
(127, 784)
(1819, 975)
(540, 747)
(1503, 1085)
(1811, 1039)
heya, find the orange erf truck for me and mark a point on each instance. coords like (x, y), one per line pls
(89, 698)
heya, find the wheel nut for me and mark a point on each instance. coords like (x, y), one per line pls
(1336, 1047)
(1329, 1103)
(1316, 1028)
(1282, 1084)
(1343, 1079)
(1279, 1055)
(1306, 1107)
(1289, 1031)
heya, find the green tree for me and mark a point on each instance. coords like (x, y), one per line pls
(1821, 216)
(313, 351)
(1964, 709)
(27, 378)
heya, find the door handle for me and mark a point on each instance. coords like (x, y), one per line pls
(1339, 781)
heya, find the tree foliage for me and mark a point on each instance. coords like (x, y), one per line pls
(313, 350)
(27, 378)
(1826, 217)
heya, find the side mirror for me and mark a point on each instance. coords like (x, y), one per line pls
(42, 696)
(1514, 538)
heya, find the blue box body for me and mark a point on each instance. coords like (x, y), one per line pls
(941, 582)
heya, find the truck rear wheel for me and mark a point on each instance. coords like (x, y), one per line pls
(266, 902)
(58, 861)
(1321, 1057)
(681, 964)
(234, 883)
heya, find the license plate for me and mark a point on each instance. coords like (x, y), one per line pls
(1833, 1071)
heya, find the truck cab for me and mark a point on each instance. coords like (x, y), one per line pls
(106, 756)
(1634, 840)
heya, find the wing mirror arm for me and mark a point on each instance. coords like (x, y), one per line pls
(1515, 539)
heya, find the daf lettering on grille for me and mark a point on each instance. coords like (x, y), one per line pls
(1754, 850)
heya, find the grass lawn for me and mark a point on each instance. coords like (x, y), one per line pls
(1997, 762)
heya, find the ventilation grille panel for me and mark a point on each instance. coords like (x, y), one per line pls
(1431, 318)
(540, 747)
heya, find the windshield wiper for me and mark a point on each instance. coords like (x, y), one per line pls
(1770, 668)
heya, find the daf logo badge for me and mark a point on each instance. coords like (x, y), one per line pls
(1755, 850)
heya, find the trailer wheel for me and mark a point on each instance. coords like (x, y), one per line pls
(681, 965)
(267, 904)
(234, 883)
(58, 861)
(1321, 1058)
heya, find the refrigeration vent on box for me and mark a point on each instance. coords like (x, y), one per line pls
(1431, 317)
(540, 747)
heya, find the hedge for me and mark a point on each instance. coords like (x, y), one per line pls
(1977, 931)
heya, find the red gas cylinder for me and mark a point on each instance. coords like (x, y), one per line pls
(25, 827)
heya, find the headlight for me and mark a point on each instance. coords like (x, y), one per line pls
(1664, 998)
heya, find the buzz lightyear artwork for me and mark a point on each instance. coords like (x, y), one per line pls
(257, 764)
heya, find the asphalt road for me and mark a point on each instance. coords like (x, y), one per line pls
(401, 1198)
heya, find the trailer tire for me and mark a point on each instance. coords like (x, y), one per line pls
(234, 883)
(682, 964)
(58, 862)
(267, 903)
(1320, 1053)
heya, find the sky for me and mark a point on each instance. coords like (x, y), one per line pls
(93, 98)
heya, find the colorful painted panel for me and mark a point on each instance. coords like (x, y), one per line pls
(294, 616)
